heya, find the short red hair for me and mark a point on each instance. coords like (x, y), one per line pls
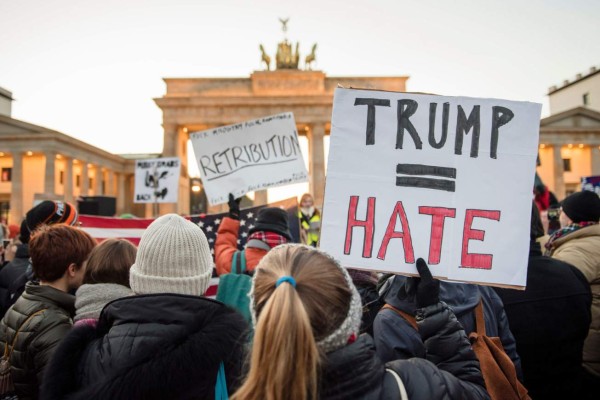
(54, 247)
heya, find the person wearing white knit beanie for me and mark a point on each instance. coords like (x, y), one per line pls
(166, 341)
(173, 257)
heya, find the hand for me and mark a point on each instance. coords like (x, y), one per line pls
(427, 288)
(234, 207)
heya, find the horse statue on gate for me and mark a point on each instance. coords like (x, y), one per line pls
(310, 58)
(265, 57)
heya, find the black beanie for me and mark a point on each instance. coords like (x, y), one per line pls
(48, 212)
(272, 219)
(582, 207)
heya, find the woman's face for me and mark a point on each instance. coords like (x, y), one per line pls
(306, 202)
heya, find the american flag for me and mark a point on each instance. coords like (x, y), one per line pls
(102, 228)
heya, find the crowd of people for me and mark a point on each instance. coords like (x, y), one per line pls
(109, 320)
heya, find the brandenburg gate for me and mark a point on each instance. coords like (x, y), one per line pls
(193, 104)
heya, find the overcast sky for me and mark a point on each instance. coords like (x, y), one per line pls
(90, 69)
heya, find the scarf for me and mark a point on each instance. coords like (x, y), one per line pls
(565, 231)
(271, 238)
(91, 299)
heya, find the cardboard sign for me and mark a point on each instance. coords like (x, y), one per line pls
(249, 156)
(157, 180)
(447, 179)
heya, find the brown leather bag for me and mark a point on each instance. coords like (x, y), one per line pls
(498, 370)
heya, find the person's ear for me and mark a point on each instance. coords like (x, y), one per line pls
(72, 270)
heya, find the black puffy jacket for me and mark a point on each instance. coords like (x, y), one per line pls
(395, 337)
(450, 370)
(39, 336)
(159, 346)
(9, 293)
(550, 321)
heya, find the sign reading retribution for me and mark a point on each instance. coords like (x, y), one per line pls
(157, 180)
(448, 179)
(249, 156)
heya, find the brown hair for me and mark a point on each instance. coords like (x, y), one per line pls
(285, 359)
(110, 262)
(54, 247)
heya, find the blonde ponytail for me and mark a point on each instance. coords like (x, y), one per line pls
(285, 357)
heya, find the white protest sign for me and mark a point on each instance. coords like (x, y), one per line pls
(447, 179)
(157, 180)
(249, 156)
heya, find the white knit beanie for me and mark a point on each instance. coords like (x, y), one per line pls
(173, 257)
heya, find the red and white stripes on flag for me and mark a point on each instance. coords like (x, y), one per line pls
(101, 228)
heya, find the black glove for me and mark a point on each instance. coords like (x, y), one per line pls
(234, 207)
(427, 288)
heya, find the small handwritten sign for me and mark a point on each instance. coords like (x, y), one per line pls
(157, 180)
(249, 156)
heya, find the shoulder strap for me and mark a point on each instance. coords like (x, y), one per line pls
(221, 392)
(235, 262)
(401, 388)
(409, 318)
(479, 319)
(7, 351)
(242, 262)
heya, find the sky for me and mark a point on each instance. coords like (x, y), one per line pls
(91, 69)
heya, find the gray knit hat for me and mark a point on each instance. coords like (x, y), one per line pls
(173, 257)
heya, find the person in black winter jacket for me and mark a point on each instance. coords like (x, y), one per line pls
(166, 342)
(307, 315)
(550, 320)
(396, 338)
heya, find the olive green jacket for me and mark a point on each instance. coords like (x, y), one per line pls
(44, 316)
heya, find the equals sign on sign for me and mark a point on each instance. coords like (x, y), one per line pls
(419, 177)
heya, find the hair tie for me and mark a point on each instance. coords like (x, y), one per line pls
(287, 279)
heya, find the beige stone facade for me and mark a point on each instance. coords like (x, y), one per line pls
(39, 163)
(569, 149)
(192, 104)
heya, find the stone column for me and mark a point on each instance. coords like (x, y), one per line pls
(98, 181)
(120, 193)
(110, 183)
(316, 162)
(16, 194)
(68, 182)
(559, 172)
(171, 148)
(261, 197)
(84, 180)
(50, 174)
(595, 154)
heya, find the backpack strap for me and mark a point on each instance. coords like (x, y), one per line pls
(238, 263)
(401, 388)
(7, 352)
(221, 385)
(479, 319)
(409, 318)
(242, 268)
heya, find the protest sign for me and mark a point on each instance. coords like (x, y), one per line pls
(448, 179)
(591, 183)
(249, 156)
(157, 180)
